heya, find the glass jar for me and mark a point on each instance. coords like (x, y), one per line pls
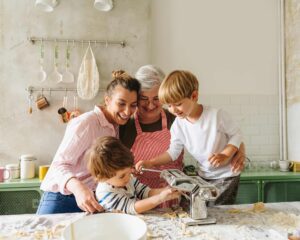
(14, 170)
(27, 166)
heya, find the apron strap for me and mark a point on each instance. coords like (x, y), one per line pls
(137, 125)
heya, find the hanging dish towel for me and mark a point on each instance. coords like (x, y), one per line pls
(88, 76)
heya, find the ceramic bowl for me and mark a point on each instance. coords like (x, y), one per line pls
(107, 226)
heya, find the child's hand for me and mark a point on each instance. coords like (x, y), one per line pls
(218, 159)
(168, 194)
(293, 238)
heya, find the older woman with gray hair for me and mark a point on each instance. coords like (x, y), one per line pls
(147, 133)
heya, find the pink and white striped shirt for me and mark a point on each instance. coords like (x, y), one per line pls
(69, 159)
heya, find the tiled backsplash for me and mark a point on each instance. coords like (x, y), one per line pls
(258, 118)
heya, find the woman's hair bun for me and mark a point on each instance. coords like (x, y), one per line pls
(117, 74)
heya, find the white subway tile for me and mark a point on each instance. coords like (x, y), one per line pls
(259, 140)
(240, 99)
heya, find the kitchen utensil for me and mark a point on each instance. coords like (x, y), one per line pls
(67, 76)
(285, 166)
(42, 75)
(103, 5)
(109, 226)
(197, 193)
(3, 175)
(41, 101)
(43, 169)
(151, 170)
(55, 75)
(75, 112)
(27, 166)
(88, 76)
(296, 166)
(64, 114)
(14, 171)
(30, 99)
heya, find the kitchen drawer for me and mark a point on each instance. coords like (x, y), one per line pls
(249, 192)
(268, 186)
(281, 191)
(19, 201)
(19, 196)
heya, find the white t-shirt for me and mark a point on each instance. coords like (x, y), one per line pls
(209, 134)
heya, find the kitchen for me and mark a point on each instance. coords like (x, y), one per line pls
(239, 64)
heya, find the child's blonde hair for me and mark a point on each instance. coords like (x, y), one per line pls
(176, 86)
(106, 156)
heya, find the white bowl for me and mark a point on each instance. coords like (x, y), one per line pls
(107, 226)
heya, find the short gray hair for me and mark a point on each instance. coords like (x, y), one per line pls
(149, 76)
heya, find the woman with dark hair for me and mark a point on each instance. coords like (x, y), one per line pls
(68, 186)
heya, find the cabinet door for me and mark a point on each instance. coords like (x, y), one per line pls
(249, 192)
(281, 190)
(19, 200)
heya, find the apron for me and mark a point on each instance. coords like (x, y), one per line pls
(148, 145)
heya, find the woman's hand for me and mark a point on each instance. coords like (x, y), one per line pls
(238, 160)
(85, 198)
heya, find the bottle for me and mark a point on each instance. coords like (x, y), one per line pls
(27, 166)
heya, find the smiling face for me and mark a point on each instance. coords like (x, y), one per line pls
(121, 178)
(120, 105)
(185, 107)
(149, 107)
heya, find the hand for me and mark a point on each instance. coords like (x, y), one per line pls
(142, 164)
(294, 238)
(85, 198)
(218, 159)
(238, 160)
(168, 194)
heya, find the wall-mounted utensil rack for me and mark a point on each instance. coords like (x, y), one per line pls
(32, 89)
(106, 43)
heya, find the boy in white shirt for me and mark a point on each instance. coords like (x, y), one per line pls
(208, 134)
(110, 163)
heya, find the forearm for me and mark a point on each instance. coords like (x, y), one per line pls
(73, 185)
(160, 160)
(155, 191)
(229, 150)
(147, 203)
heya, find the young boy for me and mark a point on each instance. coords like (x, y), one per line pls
(111, 163)
(208, 134)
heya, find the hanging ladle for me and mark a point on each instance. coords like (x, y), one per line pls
(67, 76)
(55, 76)
(42, 75)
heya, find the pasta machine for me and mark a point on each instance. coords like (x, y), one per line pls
(197, 194)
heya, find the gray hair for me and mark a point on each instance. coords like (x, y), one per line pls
(149, 76)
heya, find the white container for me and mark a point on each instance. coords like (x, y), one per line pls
(107, 226)
(14, 171)
(27, 166)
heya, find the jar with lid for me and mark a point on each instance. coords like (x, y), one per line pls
(14, 170)
(27, 166)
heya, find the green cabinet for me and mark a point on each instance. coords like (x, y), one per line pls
(19, 196)
(269, 186)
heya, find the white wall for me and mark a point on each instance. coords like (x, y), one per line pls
(232, 47)
(41, 132)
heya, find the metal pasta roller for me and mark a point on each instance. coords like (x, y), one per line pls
(197, 193)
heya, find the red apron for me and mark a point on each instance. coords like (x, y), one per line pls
(148, 145)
